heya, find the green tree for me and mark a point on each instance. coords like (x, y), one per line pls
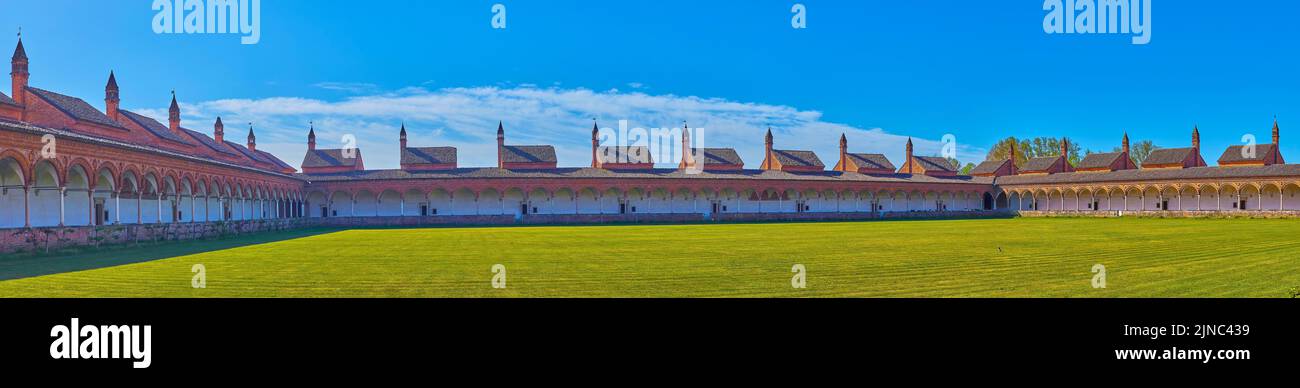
(1139, 151)
(966, 169)
(1032, 148)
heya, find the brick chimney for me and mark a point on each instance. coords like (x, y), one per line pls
(111, 96)
(18, 73)
(688, 156)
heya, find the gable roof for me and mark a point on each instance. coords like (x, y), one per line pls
(207, 141)
(1161, 156)
(330, 158)
(1234, 154)
(1042, 163)
(1099, 160)
(872, 161)
(6, 100)
(247, 152)
(528, 154)
(74, 107)
(274, 160)
(429, 155)
(989, 167)
(720, 156)
(935, 163)
(153, 126)
(797, 158)
(624, 154)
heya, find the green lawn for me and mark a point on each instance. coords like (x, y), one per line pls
(958, 258)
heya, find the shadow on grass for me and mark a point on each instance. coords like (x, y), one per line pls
(91, 258)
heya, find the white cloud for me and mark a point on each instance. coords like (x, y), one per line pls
(467, 119)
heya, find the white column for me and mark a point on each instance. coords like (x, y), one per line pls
(63, 192)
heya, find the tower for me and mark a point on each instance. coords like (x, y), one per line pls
(111, 96)
(767, 142)
(1013, 156)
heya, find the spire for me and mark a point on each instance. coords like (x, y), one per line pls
(595, 142)
(1275, 131)
(111, 96)
(174, 115)
(1196, 137)
(1065, 147)
(909, 156)
(501, 144)
(252, 140)
(767, 144)
(843, 164)
(311, 137)
(688, 155)
(401, 136)
(19, 52)
(18, 71)
(1125, 144)
(219, 131)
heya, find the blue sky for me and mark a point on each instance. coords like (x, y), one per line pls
(878, 70)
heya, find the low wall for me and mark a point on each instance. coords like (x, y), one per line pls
(51, 238)
(1163, 214)
(362, 222)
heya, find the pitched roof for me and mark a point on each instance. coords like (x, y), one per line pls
(429, 155)
(797, 158)
(329, 158)
(873, 161)
(1234, 154)
(720, 156)
(989, 166)
(1099, 160)
(153, 126)
(624, 154)
(1168, 156)
(255, 156)
(1156, 174)
(1041, 163)
(274, 160)
(74, 107)
(6, 100)
(935, 163)
(655, 173)
(529, 154)
(207, 141)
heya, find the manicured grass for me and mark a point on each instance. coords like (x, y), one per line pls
(958, 258)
